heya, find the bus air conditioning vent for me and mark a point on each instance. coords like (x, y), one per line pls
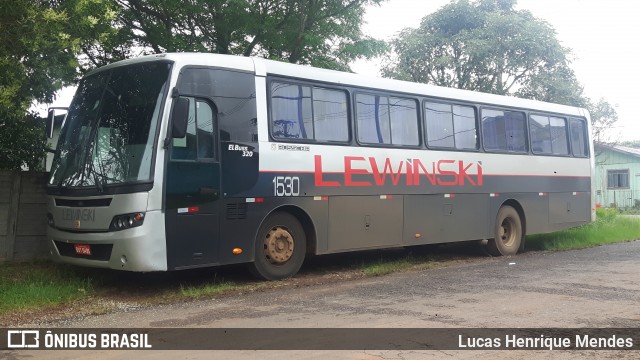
(237, 211)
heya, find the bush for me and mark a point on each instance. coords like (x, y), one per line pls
(606, 214)
(22, 142)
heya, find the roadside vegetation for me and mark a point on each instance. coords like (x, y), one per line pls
(610, 227)
(25, 286)
(42, 287)
(209, 289)
(412, 261)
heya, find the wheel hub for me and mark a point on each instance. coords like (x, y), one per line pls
(506, 232)
(278, 245)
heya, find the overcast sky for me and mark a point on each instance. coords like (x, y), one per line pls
(602, 34)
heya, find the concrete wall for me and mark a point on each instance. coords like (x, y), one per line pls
(23, 216)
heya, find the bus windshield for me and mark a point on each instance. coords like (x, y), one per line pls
(109, 135)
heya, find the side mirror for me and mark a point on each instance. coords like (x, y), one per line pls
(180, 117)
(48, 128)
(51, 118)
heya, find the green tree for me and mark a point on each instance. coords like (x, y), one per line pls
(603, 118)
(487, 46)
(34, 62)
(324, 33)
(22, 142)
(39, 43)
(35, 53)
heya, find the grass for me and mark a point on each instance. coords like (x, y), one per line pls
(42, 285)
(383, 266)
(610, 227)
(39, 284)
(201, 291)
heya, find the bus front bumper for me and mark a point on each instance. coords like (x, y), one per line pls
(141, 248)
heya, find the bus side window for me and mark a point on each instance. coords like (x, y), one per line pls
(403, 115)
(559, 142)
(205, 132)
(372, 113)
(548, 135)
(310, 113)
(386, 120)
(330, 115)
(540, 134)
(291, 111)
(451, 126)
(578, 138)
(439, 118)
(504, 130)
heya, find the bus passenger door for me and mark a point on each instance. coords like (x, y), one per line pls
(193, 190)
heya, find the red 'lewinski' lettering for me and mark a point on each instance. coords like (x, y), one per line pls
(444, 172)
(462, 174)
(417, 165)
(388, 170)
(350, 171)
(318, 174)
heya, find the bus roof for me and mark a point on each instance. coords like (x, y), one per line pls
(263, 67)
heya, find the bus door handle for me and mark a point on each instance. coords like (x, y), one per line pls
(208, 191)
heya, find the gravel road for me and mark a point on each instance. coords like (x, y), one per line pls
(595, 287)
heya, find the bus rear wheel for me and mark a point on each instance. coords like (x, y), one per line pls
(507, 234)
(280, 247)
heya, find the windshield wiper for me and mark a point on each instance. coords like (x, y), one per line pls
(97, 181)
(92, 169)
(64, 164)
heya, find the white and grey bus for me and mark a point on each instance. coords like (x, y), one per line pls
(177, 161)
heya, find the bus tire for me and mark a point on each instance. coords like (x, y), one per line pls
(507, 233)
(280, 247)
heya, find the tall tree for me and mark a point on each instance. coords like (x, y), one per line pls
(488, 46)
(323, 33)
(39, 41)
(34, 62)
(36, 53)
(603, 118)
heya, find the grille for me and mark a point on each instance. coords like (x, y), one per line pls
(104, 202)
(237, 211)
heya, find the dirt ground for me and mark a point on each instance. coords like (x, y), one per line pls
(591, 288)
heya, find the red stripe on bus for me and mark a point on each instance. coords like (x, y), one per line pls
(484, 174)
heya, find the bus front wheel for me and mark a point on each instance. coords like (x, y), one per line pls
(280, 247)
(508, 233)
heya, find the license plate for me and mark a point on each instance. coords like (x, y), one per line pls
(82, 249)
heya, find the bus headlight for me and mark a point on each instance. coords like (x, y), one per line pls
(126, 221)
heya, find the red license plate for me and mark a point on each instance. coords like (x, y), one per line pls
(82, 249)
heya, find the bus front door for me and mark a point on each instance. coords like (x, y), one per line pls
(192, 188)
